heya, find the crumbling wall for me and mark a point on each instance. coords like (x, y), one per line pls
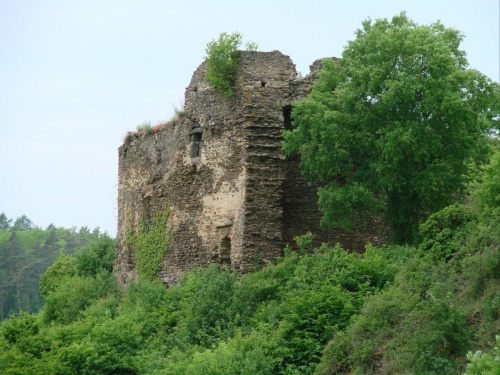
(205, 194)
(234, 198)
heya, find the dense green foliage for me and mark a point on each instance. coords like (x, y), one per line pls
(74, 282)
(150, 244)
(276, 320)
(484, 363)
(393, 126)
(392, 310)
(222, 61)
(426, 309)
(25, 253)
(444, 301)
(431, 307)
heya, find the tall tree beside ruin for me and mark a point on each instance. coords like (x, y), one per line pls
(393, 125)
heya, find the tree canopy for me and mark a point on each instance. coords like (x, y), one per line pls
(25, 253)
(393, 125)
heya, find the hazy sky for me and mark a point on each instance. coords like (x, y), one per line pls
(75, 76)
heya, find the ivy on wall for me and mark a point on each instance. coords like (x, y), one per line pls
(150, 245)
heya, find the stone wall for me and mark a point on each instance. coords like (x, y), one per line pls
(239, 200)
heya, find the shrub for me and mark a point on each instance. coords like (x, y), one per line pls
(251, 46)
(489, 193)
(222, 60)
(60, 269)
(207, 308)
(96, 257)
(73, 295)
(443, 233)
(16, 329)
(484, 363)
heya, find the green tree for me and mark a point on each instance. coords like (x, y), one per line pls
(391, 127)
(11, 259)
(96, 257)
(23, 223)
(4, 221)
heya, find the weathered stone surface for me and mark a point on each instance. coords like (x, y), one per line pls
(234, 198)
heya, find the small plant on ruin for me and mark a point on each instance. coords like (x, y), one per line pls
(251, 46)
(145, 127)
(222, 59)
(150, 245)
(179, 110)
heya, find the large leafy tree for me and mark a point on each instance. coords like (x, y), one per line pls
(391, 127)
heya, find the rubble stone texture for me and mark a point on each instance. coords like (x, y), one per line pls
(234, 197)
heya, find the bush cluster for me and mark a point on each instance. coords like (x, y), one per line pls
(222, 60)
(276, 320)
(424, 309)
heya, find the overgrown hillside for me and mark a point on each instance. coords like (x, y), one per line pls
(25, 253)
(393, 310)
(400, 128)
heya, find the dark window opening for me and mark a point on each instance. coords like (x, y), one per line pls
(195, 144)
(287, 117)
(225, 251)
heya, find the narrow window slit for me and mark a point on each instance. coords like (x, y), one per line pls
(225, 251)
(195, 144)
(287, 117)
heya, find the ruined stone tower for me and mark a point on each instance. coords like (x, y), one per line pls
(234, 198)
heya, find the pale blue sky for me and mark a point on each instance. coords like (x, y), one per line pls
(75, 76)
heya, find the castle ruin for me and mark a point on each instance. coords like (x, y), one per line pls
(234, 197)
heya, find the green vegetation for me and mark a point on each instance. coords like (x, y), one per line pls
(393, 127)
(73, 283)
(484, 363)
(25, 253)
(222, 60)
(145, 127)
(430, 305)
(150, 245)
(276, 320)
(427, 309)
(180, 110)
(444, 301)
(251, 46)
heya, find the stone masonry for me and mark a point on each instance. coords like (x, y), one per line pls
(234, 198)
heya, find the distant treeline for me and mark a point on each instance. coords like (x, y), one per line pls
(25, 253)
